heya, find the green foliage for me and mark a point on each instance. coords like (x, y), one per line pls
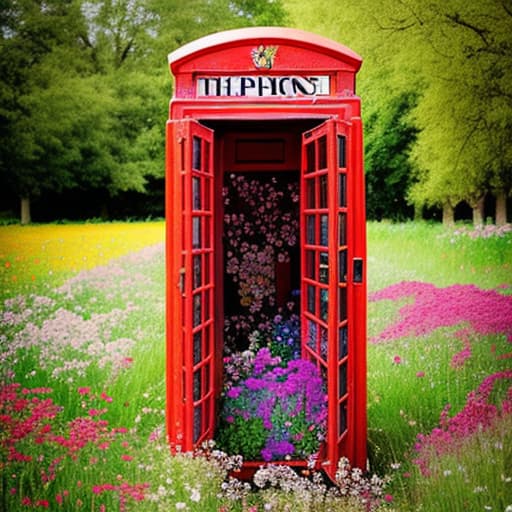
(84, 84)
(456, 58)
(389, 136)
(243, 436)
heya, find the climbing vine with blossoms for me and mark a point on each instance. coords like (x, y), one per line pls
(261, 225)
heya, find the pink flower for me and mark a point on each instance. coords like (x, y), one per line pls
(105, 397)
(420, 374)
(126, 457)
(397, 360)
(388, 498)
(96, 412)
(84, 391)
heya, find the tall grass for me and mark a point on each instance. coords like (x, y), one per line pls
(432, 253)
(412, 378)
(116, 297)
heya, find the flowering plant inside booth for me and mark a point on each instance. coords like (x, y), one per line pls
(273, 408)
(273, 403)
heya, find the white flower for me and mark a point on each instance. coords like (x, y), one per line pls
(195, 495)
(181, 506)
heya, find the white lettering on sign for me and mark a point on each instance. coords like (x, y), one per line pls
(262, 86)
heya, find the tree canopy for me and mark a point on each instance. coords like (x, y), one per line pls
(83, 89)
(455, 58)
(84, 84)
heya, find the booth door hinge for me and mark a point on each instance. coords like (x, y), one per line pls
(182, 280)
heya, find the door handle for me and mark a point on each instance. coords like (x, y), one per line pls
(357, 267)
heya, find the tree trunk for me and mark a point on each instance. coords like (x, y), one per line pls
(501, 207)
(25, 210)
(478, 212)
(418, 213)
(448, 214)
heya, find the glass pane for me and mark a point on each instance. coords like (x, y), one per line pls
(197, 385)
(207, 377)
(196, 232)
(342, 266)
(310, 196)
(207, 413)
(310, 229)
(324, 229)
(311, 339)
(197, 309)
(342, 190)
(342, 304)
(343, 418)
(323, 191)
(324, 300)
(342, 380)
(311, 299)
(207, 294)
(207, 192)
(324, 267)
(197, 281)
(341, 151)
(198, 349)
(310, 264)
(196, 193)
(207, 338)
(322, 152)
(207, 233)
(196, 153)
(207, 260)
(206, 156)
(198, 422)
(343, 342)
(342, 228)
(310, 157)
(323, 342)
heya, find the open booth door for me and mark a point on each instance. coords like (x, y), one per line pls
(191, 285)
(326, 279)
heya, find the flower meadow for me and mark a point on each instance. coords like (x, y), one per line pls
(82, 381)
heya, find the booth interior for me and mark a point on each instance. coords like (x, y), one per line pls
(259, 165)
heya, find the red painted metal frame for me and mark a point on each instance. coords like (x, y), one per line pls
(332, 322)
(190, 285)
(302, 53)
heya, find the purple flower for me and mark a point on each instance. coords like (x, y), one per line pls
(234, 392)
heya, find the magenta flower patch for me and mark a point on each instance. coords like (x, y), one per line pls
(479, 414)
(485, 311)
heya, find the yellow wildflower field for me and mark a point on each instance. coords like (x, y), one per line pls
(30, 255)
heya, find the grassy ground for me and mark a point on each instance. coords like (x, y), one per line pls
(82, 365)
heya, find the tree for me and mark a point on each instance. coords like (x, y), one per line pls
(84, 84)
(30, 31)
(457, 58)
(389, 136)
(465, 114)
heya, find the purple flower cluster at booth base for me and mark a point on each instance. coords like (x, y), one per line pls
(277, 412)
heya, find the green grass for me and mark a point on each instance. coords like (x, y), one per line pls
(432, 253)
(403, 399)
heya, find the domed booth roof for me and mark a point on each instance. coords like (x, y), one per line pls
(270, 50)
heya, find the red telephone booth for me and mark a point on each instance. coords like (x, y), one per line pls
(272, 102)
